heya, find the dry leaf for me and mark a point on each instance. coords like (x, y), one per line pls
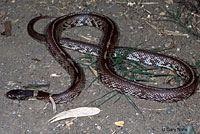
(77, 112)
(162, 14)
(174, 33)
(169, 1)
(119, 123)
(193, 60)
(94, 71)
(12, 1)
(54, 75)
(69, 124)
(53, 104)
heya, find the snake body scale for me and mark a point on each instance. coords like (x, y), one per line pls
(107, 46)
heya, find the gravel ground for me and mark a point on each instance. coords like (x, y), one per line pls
(19, 67)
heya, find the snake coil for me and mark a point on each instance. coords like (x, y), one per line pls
(107, 47)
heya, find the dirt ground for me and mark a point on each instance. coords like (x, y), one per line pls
(19, 67)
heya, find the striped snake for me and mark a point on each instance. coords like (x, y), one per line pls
(106, 48)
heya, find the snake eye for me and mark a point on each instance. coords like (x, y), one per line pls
(19, 94)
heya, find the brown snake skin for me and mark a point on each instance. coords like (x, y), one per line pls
(107, 47)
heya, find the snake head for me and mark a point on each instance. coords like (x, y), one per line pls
(20, 94)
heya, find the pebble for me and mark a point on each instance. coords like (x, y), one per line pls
(170, 111)
(99, 127)
(3, 13)
(178, 49)
(14, 112)
(16, 101)
(140, 27)
(131, 4)
(19, 115)
(32, 66)
(167, 45)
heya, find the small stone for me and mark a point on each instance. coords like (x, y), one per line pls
(140, 27)
(14, 112)
(16, 101)
(167, 45)
(170, 111)
(99, 127)
(131, 4)
(32, 66)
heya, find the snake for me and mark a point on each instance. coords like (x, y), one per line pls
(107, 46)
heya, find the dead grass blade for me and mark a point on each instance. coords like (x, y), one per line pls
(77, 112)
